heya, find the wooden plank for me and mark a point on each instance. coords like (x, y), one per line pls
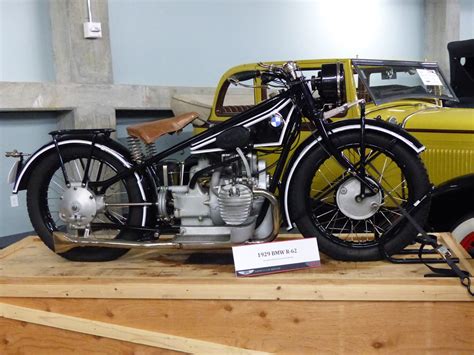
(17, 337)
(35, 271)
(332, 290)
(464, 258)
(119, 332)
(19, 245)
(289, 327)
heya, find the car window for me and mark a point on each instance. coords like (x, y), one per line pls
(232, 98)
(362, 92)
(239, 98)
(387, 81)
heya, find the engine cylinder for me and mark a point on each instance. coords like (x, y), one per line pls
(235, 203)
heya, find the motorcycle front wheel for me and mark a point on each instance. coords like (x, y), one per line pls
(53, 206)
(327, 203)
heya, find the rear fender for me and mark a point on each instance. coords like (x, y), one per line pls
(382, 127)
(103, 143)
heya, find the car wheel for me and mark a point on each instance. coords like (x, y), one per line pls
(463, 232)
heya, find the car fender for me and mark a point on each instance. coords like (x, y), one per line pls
(309, 144)
(450, 202)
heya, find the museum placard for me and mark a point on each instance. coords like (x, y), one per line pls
(269, 258)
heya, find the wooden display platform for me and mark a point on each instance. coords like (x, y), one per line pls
(150, 302)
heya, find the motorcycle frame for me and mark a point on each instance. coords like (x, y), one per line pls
(300, 95)
(309, 110)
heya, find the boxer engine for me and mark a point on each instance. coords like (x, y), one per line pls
(218, 204)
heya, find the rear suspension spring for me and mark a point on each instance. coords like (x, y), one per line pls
(135, 147)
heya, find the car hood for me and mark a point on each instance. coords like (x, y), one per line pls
(425, 116)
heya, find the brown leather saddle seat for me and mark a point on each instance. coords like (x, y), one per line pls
(151, 131)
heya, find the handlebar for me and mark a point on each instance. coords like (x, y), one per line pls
(288, 68)
(343, 108)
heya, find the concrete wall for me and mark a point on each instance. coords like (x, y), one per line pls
(191, 43)
(25, 132)
(25, 55)
(466, 30)
(25, 41)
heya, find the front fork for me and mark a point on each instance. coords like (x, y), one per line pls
(317, 117)
(360, 172)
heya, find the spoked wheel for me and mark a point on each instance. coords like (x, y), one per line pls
(328, 202)
(77, 209)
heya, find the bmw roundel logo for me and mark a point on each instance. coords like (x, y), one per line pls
(276, 120)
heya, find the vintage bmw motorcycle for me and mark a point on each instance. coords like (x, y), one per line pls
(358, 186)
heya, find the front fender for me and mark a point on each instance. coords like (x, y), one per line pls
(384, 128)
(103, 143)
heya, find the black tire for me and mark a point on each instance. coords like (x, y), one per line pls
(46, 186)
(344, 228)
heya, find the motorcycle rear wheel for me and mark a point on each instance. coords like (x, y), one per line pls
(323, 198)
(47, 191)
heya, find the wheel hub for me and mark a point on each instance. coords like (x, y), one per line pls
(352, 205)
(78, 206)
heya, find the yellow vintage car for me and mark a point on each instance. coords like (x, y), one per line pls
(411, 94)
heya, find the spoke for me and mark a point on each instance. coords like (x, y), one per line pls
(355, 229)
(61, 188)
(376, 229)
(352, 230)
(328, 189)
(383, 169)
(343, 175)
(399, 199)
(384, 216)
(337, 212)
(90, 171)
(77, 170)
(344, 226)
(396, 187)
(325, 213)
(391, 211)
(382, 178)
(99, 171)
(369, 157)
(325, 178)
(328, 203)
(52, 190)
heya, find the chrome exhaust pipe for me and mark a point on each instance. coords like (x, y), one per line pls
(275, 215)
(63, 242)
